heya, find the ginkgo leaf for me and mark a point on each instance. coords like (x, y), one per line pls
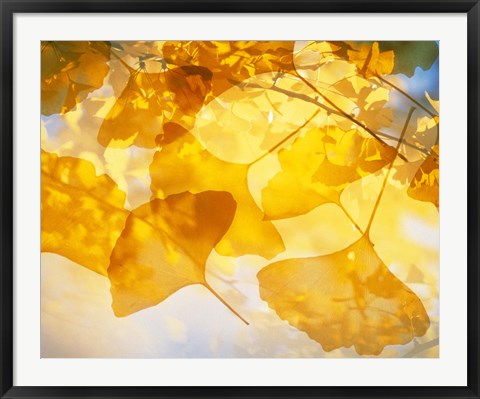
(425, 184)
(70, 71)
(184, 164)
(164, 247)
(151, 99)
(372, 110)
(231, 61)
(351, 86)
(370, 60)
(347, 298)
(82, 214)
(366, 103)
(317, 168)
(425, 137)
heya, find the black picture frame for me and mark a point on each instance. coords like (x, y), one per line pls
(10, 7)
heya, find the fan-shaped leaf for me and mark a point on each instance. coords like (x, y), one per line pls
(184, 164)
(348, 298)
(164, 247)
(317, 168)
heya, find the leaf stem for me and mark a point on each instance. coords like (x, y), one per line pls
(230, 283)
(384, 184)
(209, 287)
(350, 217)
(286, 138)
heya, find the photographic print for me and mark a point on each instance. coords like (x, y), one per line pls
(240, 199)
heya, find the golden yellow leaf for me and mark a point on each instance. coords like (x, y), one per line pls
(70, 71)
(351, 86)
(164, 247)
(370, 61)
(425, 138)
(231, 61)
(372, 110)
(347, 298)
(184, 164)
(425, 184)
(317, 168)
(82, 213)
(151, 99)
(427, 130)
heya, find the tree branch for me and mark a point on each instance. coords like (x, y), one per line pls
(311, 100)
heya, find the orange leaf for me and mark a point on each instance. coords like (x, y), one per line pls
(165, 246)
(151, 99)
(370, 61)
(70, 71)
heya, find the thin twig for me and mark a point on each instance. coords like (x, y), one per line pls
(343, 113)
(329, 110)
(377, 202)
(433, 115)
(286, 138)
(226, 303)
(350, 218)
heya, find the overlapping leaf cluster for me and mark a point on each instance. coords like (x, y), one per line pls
(213, 112)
